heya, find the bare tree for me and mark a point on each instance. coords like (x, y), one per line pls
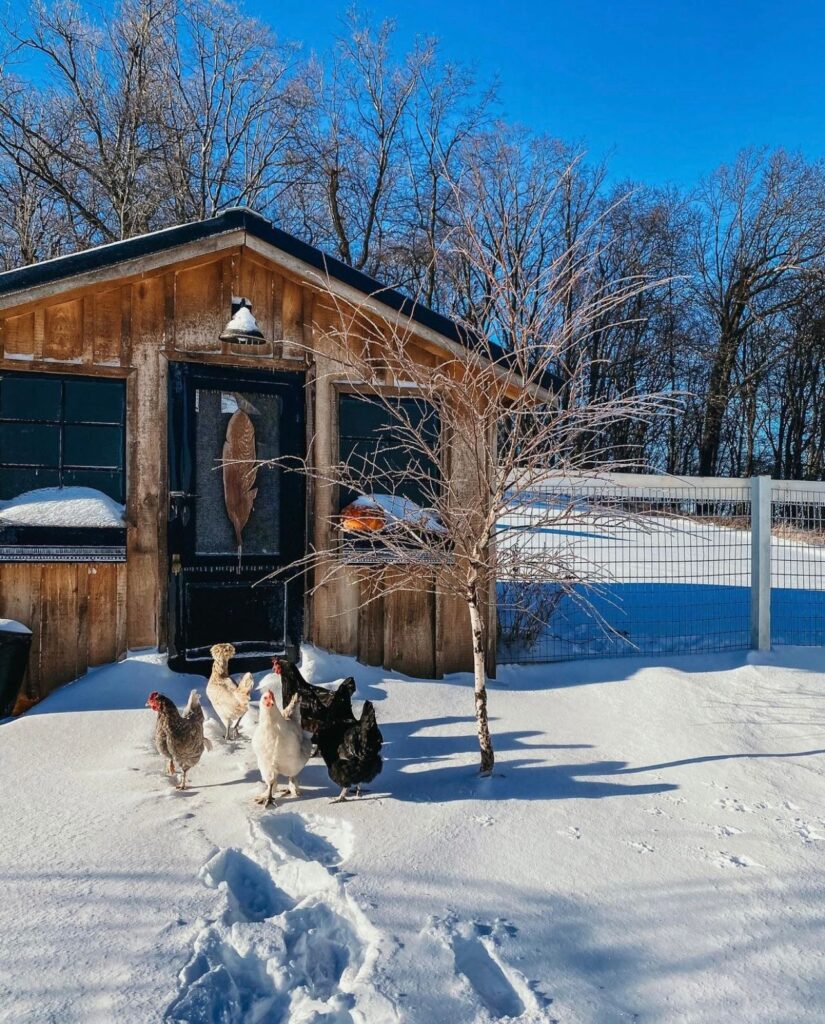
(468, 434)
(227, 111)
(760, 223)
(88, 135)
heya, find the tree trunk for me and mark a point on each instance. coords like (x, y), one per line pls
(716, 404)
(485, 743)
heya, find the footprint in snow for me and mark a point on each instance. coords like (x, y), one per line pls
(727, 830)
(806, 832)
(640, 847)
(502, 990)
(290, 943)
(572, 832)
(251, 895)
(732, 804)
(735, 860)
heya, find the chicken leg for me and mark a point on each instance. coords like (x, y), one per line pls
(182, 784)
(265, 799)
(342, 796)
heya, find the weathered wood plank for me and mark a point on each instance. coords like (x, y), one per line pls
(19, 587)
(409, 628)
(108, 327)
(256, 285)
(63, 331)
(144, 464)
(200, 314)
(292, 313)
(18, 337)
(453, 642)
(371, 621)
(58, 625)
(102, 614)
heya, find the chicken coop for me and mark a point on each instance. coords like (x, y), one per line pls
(133, 376)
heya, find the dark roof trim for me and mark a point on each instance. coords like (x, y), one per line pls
(235, 219)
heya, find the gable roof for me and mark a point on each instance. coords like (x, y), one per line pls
(235, 219)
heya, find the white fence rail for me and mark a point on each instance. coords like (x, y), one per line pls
(670, 564)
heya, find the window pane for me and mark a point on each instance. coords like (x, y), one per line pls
(18, 481)
(92, 446)
(95, 401)
(30, 398)
(33, 443)
(106, 480)
(369, 443)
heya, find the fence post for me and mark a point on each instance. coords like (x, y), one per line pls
(761, 563)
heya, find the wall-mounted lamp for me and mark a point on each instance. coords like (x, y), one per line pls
(243, 328)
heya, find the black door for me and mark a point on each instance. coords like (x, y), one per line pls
(234, 522)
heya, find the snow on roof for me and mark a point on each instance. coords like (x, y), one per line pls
(62, 506)
(399, 509)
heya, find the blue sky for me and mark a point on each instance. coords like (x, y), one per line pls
(667, 89)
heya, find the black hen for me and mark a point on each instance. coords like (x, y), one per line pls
(316, 702)
(350, 747)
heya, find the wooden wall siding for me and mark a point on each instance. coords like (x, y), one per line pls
(146, 454)
(77, 615)
(107, 326)
(18, 336)
(86, 615)
(200, 312)
(63, 332)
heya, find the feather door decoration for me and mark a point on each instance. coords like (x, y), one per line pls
(239, 473)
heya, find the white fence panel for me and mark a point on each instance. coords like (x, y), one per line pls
(671, 565)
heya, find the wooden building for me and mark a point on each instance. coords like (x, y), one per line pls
(114, 376)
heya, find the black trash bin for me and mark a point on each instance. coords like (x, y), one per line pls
(15, 641)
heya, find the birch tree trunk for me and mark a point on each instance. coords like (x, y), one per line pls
(485, 742)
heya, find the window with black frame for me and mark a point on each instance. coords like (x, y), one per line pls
(372, 442)
(61, 431)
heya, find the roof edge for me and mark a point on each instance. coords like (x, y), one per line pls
(233, 219)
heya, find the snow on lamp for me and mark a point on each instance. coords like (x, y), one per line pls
(243, 328)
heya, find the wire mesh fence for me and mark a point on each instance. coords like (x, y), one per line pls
(637, 566)
(798, 563)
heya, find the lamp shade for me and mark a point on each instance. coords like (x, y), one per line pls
(243, 328)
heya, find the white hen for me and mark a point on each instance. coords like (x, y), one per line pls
(280, 744)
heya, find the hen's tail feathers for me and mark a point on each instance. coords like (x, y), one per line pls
(207, 743)
(247, 683)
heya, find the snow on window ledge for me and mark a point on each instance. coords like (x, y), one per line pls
(396, 509)
(73, 507)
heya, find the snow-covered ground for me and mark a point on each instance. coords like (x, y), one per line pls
(663, 585)
(651, 850)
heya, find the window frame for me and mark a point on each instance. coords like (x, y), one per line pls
(23, 543)
(61, 422)
(366, 549)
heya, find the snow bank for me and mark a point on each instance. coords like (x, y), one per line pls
(62, 506)
(10, 626)
(650, 849)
